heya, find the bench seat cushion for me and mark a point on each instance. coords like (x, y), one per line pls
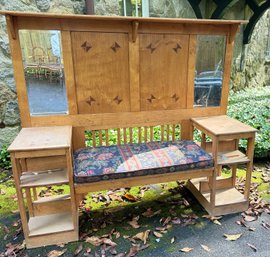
(130, 160)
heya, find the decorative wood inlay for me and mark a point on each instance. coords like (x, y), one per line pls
(117, 99)
(177, 48)
(151, 98)
(151, 48)
(115, 46)
(86, 46)
(175, 97)
(90, 100)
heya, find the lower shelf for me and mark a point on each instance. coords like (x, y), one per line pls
(227, 200)
(49, 224)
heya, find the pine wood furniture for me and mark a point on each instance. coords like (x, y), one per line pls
(121, 73)
(221, 128)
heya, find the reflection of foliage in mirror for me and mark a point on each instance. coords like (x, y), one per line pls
(209, 70)
(44, 71)
(130, 7)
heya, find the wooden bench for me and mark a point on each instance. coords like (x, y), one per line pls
(126, 76)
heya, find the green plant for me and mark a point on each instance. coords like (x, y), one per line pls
(252, 107)
(5, 162)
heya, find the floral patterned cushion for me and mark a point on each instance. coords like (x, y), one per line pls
(122, 161)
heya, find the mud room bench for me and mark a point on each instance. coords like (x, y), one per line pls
(139, 81)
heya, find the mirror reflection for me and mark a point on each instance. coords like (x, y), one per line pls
(44, 71)
(209, 70)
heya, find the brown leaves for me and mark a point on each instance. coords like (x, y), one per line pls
(56, 253)
(149, 213)
(214, 219)
(206, 248)
(134, 222)
(130, 197)
(143, 236)
(232, 237)
(186, 249)
(134, 250)
(97, 241)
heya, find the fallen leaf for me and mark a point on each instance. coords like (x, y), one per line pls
(134, 222)
(252, 229)
(206, 248)
(56, 253)
(94, 240)
(249, 218)
(253, 247)
(186, 249)
(156, 234)
(78, 250)
(216, 222)
(173, 239)
(232, 237)
(108, 241)
(143, 236)
(130, 197)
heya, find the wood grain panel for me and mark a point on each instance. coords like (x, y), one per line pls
(101, 72)
(163, 71)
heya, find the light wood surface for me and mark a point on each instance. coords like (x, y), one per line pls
(121, 18)
(42, 138)
(44, 178)
(48, 224)
(232, 157)
(222, 125)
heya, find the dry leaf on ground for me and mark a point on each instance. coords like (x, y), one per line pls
(156, 234)
(134, 222)
(186, 249)
(78, 250)
(206, 248)
(173, 239)
(253, 247)
(143, 236)
(232, 237)
(56, 253)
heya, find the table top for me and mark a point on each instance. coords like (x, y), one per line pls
(42, 138)
(222, 125)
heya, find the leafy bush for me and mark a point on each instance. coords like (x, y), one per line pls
(252, 107)
(5, 162)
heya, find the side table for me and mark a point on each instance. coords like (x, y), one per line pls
(220, 129)
(41, 157)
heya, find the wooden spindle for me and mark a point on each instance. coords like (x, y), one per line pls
(94, 137)
(145, 134)
(118, 136)
(106, 137)
(168, 132)
(151, 134)
(162, 133)
(173, 132)
(100, 137)
(130, 135)
(140, 134)
(125, 135)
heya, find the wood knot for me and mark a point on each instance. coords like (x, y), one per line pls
(178, 47)
(151, 48)
(175, 97)
(151, 98)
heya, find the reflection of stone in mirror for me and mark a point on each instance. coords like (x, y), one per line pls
(209, 70)
(44, 71)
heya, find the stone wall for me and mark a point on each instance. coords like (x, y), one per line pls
(254, 71)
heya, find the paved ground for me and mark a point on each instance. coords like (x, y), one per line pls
(204, 232)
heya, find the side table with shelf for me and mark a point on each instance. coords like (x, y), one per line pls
(41, 157)
(228, 199)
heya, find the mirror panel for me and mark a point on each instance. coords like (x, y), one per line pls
(44, 71)
(209, 70)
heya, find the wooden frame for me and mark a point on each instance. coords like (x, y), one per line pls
(158, 58)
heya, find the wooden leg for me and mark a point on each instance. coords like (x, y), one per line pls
(212, 179)
(234, 169)
(34, 190)
(16, 172)
(203, 143)
(250, 154)
(29, 202)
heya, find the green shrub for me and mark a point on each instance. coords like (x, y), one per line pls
(5, 162)
(252, 107)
